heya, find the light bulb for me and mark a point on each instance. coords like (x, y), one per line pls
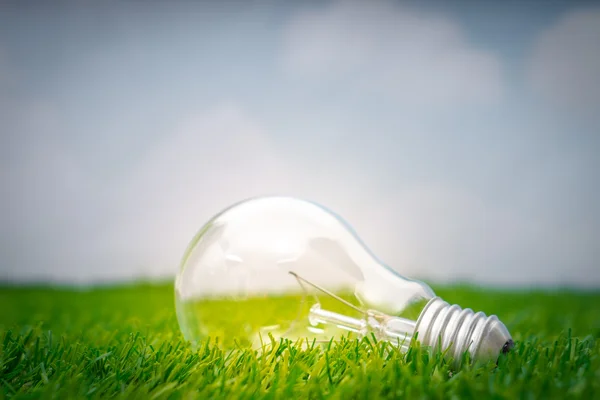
(289, 268)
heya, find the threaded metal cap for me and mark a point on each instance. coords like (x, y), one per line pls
(449, 327)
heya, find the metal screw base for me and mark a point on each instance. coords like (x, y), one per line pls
(449, 327)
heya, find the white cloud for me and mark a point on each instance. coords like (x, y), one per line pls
(216, 158)
(448, 233)
(61, 222)
(50, 204)
(383, 47)
(213, 159)
(435, 230)
(564, 66)
(64, 224)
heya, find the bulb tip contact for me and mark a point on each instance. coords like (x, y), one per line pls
(508, 346)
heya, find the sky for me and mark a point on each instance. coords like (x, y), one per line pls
(461, 140)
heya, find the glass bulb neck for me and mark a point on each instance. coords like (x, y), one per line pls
(440, 326)
(396, 330)
(456, 330)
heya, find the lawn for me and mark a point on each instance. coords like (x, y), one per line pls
(124, 342)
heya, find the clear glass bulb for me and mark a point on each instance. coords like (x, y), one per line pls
(286, 267)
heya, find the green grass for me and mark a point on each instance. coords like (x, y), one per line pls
(124, 342)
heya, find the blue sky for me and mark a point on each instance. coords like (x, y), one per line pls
(460, 140)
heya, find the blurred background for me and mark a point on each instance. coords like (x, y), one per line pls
(460, 139)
